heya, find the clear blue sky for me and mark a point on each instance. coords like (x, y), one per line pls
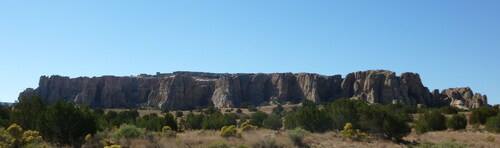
(451, 43)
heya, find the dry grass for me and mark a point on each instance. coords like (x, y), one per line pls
(468, 137)
(203, 138)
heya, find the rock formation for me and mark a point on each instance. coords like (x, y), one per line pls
(384, 87)
(188, 90)
(462, 98)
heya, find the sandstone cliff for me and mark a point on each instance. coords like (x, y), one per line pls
(188, 90)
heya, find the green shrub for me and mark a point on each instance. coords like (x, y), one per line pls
(457, 122)
(5, 113)
(297, 135)
(431, 121)
(379, 120)
(118, 118)
(228, 131)
(165, 110)
(279, 110)
(179, 114)
(127, 131)
(449, 110)
(479, 115)
(66, 123)
(217, 120)
(493, 124)
(395, 127)
(308, 117)
(273, 122)
(239, 111)
(252, 108)
(193, 121)
(211, 110)
(344, 111)
(152, 122)
(170, 121)
(28, 112)
(258, 118)
(401, 109)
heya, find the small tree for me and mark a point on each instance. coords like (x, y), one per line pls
(479, 115)
(395, 127)
(493, 124)
(273, 122)
(193, 121)
(5, 113)
(308, 117)
(66, 123)
(344, 111)
(27, 112)
(258, 118)
(431, 121)
(457, 122)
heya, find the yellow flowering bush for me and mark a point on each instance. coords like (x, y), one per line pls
(168, 132)
(15, 137)
(113, 146)
(88, 137)
(30, 136)
(350, 133)
(245, 126)
(229, 131)
(490, 138)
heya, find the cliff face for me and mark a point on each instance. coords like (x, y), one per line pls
(188, 90)
(384, 87)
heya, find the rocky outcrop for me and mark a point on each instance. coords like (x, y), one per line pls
(188, 90)
(463, 98)
(384, 87)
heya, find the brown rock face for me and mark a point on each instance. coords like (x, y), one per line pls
(384, 87)
(181, 92)
(188, 90)
(463, 98)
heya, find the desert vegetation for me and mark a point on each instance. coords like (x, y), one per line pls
(343, 122)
